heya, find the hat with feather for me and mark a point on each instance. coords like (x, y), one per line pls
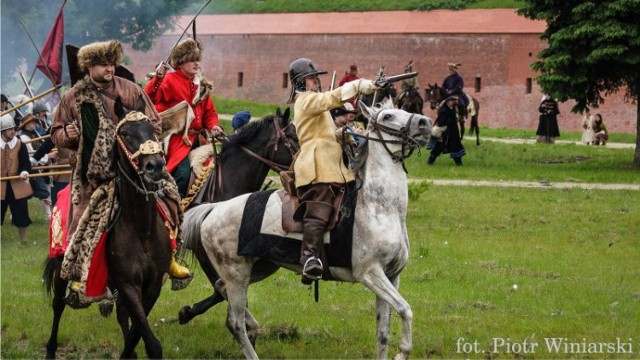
(453, 66)
(99, 53)
(186, 51)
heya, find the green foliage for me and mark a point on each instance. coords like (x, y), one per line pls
(593, 49)
(416, 189)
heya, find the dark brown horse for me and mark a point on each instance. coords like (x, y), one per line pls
(410, 101)
(138, 247)
(436, 94)
(244, 162)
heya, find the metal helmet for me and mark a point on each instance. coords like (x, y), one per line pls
(6, 122)
(298, 70)
(40, 107)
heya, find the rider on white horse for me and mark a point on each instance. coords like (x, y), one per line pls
(319, 171)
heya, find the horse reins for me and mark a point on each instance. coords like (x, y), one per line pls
(402, 133)
(280, 134)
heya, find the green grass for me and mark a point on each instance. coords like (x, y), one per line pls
(557, 163)
(572, 253)
(509, 133)
(297, 6)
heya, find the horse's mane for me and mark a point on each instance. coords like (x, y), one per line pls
(248, 132)
(361, 158)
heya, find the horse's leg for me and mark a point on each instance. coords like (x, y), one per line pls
(122, 315)
(58, 305)
(383, 323)
(187, 312)
(474, 123)
(140, 326)
(387, 291)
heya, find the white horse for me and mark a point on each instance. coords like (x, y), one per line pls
(380, 239)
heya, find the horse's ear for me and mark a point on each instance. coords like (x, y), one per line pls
(118, 108)
(287, 114)
(278, 112)
(366, 111)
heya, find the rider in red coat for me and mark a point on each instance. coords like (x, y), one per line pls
(184, 84)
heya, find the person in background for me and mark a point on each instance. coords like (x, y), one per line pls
(320, 173)
(240, 119)
(548, 125)
(453, 84)
(409, 85)
(345, 116)
(350, 76)
(41, 185)
(14, 193)
(449, 140)
(186, 83)
(588, 136)
(600, 131)
(40, 112)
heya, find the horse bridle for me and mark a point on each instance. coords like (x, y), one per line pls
(280, 135)
(402, 133)
(149, 147)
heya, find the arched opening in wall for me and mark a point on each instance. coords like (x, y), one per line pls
(528, 90)
(240, 78)
(285, 80)
(478, 84)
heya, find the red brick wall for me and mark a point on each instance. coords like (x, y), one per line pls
(501, 61)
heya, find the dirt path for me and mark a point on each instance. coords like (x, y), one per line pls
(531, 184)
(533, 141)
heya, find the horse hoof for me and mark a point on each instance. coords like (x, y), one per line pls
(184, 315)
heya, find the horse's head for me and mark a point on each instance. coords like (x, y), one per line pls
(286, 140)
(138, 147)
(272, 140)
(412, 129)
(434, 94)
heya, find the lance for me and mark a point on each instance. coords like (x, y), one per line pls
(55, 88)
(49, 167)
(52, 173)
(43, 137)
(333, 80)
(186, 28)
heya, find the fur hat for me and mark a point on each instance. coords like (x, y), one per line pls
(99, 53)
(453, 66)
(26, 119)
(186, 51)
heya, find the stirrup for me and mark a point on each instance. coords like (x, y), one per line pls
(312, 276)
(177, 271)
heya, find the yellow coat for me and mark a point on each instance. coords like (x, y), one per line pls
(320, 157)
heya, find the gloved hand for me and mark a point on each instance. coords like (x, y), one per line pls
(360, 86)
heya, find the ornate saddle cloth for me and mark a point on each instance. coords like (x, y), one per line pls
(261, 233)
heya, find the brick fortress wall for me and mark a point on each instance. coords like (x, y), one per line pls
(499, 62)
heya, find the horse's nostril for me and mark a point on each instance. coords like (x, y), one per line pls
(153, 167)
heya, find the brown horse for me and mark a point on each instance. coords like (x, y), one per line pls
(138, 247)
(410, 101)
(436, 94)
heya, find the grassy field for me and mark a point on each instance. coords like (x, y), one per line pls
(288, 6)
(572, 255)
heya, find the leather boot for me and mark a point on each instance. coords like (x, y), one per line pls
(458, 161)
(176, 270)
(315, 221)
(431, 160)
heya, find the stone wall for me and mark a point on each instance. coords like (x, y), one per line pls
(498, 63)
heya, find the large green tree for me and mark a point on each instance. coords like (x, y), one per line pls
(137, 22)
(593, 50)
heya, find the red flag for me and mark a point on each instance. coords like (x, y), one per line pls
(50, 63)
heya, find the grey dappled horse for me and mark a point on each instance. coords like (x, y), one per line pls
(380, 247)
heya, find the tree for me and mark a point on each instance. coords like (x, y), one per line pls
(593, 50)
(137, 22)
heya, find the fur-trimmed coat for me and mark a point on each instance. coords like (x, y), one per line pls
(174, 88)
(98, 163)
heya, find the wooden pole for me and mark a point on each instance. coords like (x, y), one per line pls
(55, 166)
(53, 173)
(46, 92)
(37, 139)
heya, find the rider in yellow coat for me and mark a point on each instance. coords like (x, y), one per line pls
(319, 170)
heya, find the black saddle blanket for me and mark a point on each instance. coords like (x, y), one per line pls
(286, 250)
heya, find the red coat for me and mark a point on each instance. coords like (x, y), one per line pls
(174, 88)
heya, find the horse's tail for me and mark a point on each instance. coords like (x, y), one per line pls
(193, 220)
(50, 273)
